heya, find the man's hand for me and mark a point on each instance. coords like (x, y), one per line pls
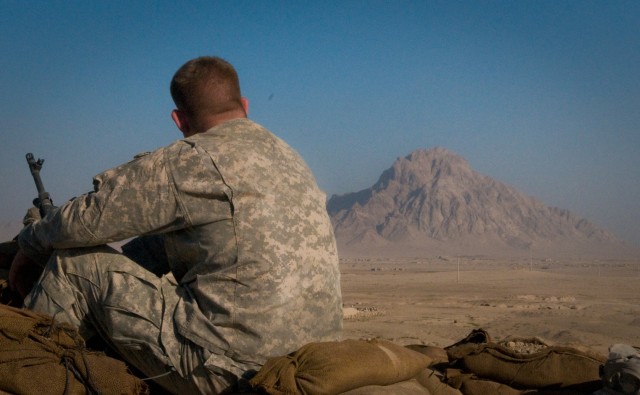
(23, 274)
(33, 215)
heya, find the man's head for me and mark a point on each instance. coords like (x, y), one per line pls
(206, 91)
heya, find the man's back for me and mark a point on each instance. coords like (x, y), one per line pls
(266, 279)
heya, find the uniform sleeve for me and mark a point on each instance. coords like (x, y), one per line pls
(167, 190)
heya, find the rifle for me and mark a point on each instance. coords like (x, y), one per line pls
(42, 202)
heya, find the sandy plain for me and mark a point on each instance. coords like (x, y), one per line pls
(438, 301)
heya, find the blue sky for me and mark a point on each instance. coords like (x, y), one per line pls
(541, 95)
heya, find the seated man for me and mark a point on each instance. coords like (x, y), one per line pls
(235, 260)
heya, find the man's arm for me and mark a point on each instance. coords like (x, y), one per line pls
(136, 198)
(132, 199)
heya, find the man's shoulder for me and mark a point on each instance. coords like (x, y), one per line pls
(176, 145)
(145, 160)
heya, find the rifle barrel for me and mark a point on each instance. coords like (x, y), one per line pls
(43, 202)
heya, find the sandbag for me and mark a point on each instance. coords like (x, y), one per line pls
(552, 367)
(469, 384)
(40, 356)
(335, 367)
(427, 382)
(438, 355)
(408, 387)
(434, 382)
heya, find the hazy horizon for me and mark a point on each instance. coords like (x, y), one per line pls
(540, 95)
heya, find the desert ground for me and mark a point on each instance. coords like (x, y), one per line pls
(438, 301)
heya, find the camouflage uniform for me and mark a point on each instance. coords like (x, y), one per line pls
(234, 222)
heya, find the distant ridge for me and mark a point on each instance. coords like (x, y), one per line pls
(432, 202)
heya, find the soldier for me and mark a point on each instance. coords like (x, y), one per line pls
(234, 259)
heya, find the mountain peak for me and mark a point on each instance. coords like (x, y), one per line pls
(433, 197)
(435, 153)
(424, 166)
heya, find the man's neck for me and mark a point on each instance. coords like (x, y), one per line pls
(218, 119)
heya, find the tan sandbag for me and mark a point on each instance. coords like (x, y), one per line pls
(468, 384)
(553, 367)
(39, 356)
(438, 355)
(408, 387)
(427, 382)
(329, 368)
(432, 381)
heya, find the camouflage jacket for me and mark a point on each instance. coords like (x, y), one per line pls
(245, 232)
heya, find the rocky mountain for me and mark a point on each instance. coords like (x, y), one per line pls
(433, 202)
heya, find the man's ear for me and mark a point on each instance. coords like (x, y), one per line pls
(245, 105)
(180, 119)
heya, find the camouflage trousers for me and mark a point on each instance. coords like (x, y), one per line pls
(103, 292)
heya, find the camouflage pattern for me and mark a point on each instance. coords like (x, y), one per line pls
(84, 287)
(249, 245)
